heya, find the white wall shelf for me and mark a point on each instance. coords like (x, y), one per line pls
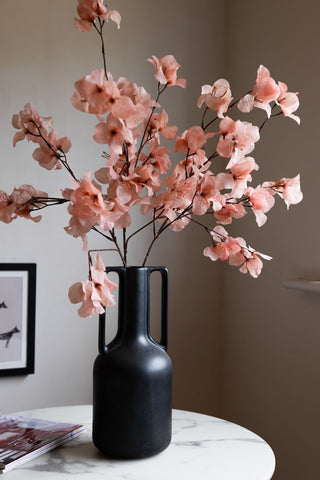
(302, 284)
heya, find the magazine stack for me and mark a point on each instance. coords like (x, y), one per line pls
(24, 438)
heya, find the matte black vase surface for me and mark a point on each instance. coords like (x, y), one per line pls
(132, 376)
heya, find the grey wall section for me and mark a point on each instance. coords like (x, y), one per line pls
(270, 335)
(41, 56)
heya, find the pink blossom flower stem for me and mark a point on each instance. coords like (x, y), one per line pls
(216, 118)
(151, 222)
(127, 164)
(101, 23)
(125, 250)
(210, 123)
(203, 117)
(90, 262)
(149, 249)
(268, 118)
(155, 237)
(146, 160)
(62, 157)
(237, 101)
(160, 91)
(67, 166)
(276, 114)
(224, 238)
(48, 201)
(245, 201)
(207, 229)
(163, 227)
(186, 163)
(103, 234)
(184, 213)
(149, 137)
(214, 155)
(154, 222)
(263, 124)
(115, 240)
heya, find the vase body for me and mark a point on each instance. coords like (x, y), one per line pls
(132, 377)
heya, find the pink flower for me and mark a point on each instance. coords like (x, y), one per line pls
(87, 208)
(89, 10)
(147, 176)
(94, 93)
(7, 208)
(87, 199)
(30, 124)
(159, 156)
(288, 188)
(238, 178)
(206, 193)
(94, 294)
(138, 95)
(85, 293)
(217, 97)
(35, 128)
(288, 102)
(49, 152)
(262, 201)
(223, 245)
(132, 114)
(175, 200)
(241, 175)
(102, 284)
(236, 136)
(236, 251)
(180, 190)
(120, 214)
(166, 72)
(113, 133)
(253, 263)
(228, 212)
(291, 191)
(158, 123)
(191, 140)
(179, 223)
(18, 203)
(265, 91)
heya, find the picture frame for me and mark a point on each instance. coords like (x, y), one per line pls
(17, 318)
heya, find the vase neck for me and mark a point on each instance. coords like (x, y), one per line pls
(134, 303)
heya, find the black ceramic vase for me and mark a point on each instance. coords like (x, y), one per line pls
(132, 375)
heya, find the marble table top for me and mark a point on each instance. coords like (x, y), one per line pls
(202, 447)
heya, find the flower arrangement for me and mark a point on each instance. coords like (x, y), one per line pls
(137, 170)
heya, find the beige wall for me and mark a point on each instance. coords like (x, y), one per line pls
(41, 56)
(270, 335)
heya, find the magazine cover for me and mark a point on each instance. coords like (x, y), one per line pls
(23, 438)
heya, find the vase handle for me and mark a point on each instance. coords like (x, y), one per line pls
(102, 317)
(164, 305)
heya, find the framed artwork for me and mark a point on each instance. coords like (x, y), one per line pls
(17, 318)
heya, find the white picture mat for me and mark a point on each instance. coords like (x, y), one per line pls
(14, 292)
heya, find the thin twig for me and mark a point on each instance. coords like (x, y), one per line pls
(115, 240)
(101, 233)
(56, 154)
(160, 91)
(101, 23)
(124, 230)
(163, 227)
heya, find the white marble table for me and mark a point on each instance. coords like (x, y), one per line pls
(203, 447)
